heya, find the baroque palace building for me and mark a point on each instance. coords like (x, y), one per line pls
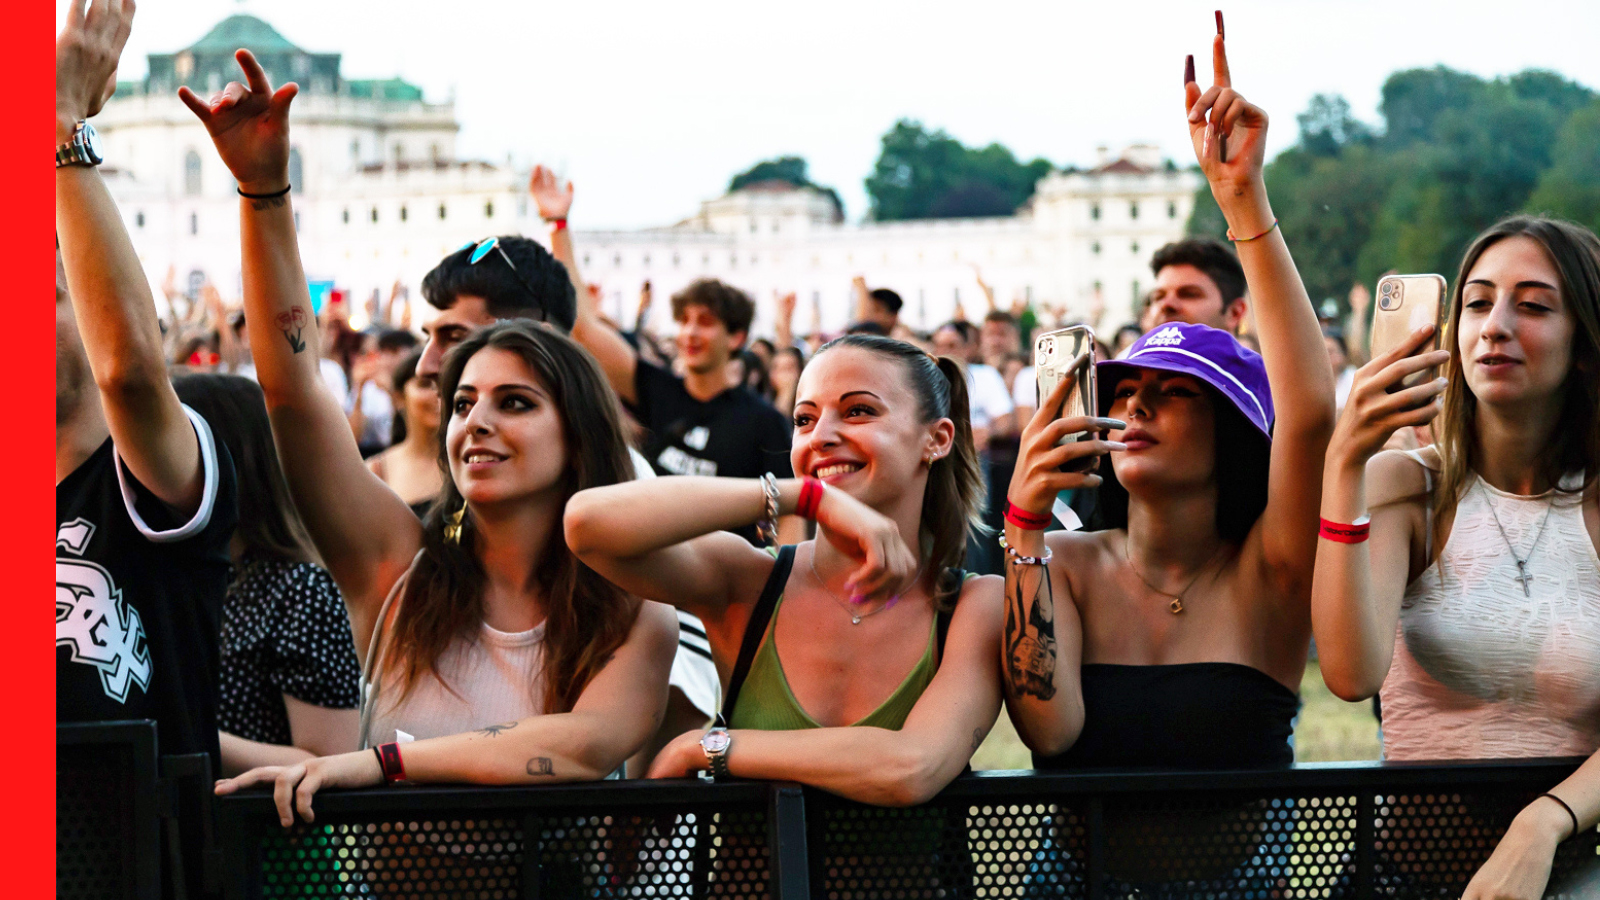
(380, 196)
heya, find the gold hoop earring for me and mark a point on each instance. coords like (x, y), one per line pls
(452, 528)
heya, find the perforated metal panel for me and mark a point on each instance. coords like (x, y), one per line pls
(107, 826)
(673, 855)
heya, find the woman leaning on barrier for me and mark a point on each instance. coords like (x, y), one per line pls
(851, 629)
(478, 617)
(1471, 601)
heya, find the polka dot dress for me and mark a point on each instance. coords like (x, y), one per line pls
(284, 631)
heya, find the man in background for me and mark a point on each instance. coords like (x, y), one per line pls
(1198, 281)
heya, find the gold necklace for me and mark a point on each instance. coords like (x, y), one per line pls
(1177, 599)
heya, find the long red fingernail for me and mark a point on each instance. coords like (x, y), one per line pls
(1188, 69)
(1221, 32)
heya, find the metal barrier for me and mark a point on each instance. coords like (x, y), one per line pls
(1315, 831)
(107, 811)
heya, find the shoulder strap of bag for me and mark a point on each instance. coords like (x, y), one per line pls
(756, 629)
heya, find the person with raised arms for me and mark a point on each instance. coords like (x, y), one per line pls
(861, 662)
(1190, 608)
(506, 658)
(1469, 601)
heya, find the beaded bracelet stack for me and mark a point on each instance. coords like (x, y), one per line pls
(1019, 560)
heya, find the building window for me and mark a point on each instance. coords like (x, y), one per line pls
(617, 260)
(733, 260)
(296, 171)
(1137, 297)
(1098, 287)
(1133, 209)
(138, 220)
(1172, 210)
(645, 260)
(403, 213)
(355, 150)
(753, 227)
(1094, 211)
(488, 210)
(586, 259)
(1135, 248)
(674, 260)
(374, 214)
(194, 223)
(297, 221)
(191, 173)
(346, 215)
(705, 260)
(441, 211)
(1095, 248)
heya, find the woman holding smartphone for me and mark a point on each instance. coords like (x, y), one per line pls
(484, 638)
(1191, 608)
(1471, 599)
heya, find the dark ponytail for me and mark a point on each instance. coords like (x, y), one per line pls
(953, 501)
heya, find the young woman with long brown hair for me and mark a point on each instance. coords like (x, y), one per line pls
(479, 617)
(1471, 600)
(860, 662)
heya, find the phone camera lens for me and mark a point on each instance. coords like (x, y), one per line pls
(1387, 286)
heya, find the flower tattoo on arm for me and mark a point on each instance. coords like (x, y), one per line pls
(293, 324)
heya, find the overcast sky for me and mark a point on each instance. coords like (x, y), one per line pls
(651, 107)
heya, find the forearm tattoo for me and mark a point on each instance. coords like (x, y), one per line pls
(293, 324)
(541, 765)
(494, 730)
(1030, 636)
(263, 203)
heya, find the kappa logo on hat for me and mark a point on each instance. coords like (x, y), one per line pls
(1169, 336)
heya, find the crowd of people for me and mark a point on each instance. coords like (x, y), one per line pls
(530, 546)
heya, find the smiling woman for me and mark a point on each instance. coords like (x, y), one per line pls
(506, 658)
(865, 644)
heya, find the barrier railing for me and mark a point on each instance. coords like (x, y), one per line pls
(1314, 831)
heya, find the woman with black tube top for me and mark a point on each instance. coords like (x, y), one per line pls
(1189, 610)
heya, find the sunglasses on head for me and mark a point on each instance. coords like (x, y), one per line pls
(482, 249)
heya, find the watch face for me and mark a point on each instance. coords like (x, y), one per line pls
(91, 142)
(715, 742)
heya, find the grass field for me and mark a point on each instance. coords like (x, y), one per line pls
(1329, 730)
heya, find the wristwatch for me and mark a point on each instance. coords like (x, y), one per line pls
(715, 744)
(82, 150)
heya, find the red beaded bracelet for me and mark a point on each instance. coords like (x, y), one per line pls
(1027, 521)
(810, 499)
(558, 224)
(1354, 533)
(389, 761)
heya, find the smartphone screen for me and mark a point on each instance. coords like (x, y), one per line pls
(1404, 304)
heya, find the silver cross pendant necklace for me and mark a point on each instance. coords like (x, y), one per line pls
(1523, 576)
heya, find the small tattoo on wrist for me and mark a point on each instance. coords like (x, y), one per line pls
(263, 203)
(541, 765)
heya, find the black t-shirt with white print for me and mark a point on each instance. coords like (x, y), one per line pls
(138, 594)
(734, 434)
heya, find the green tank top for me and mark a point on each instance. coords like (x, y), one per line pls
(766, 701)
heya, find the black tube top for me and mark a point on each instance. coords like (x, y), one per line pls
(1187, 716)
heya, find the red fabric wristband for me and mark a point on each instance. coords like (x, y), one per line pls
(810, 499)
(1354, 533)
(1027, 521)
(389, 761)
(558, 224)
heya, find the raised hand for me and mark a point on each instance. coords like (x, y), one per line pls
(1038, 477)
(786, 305)
(1228, 132)
(249, 123)
(87, 51)
(1375, 410)
(553, 200)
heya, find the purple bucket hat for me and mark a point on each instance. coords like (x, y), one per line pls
(1209, 354)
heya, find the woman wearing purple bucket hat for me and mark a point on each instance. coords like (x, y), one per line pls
(1190, 609)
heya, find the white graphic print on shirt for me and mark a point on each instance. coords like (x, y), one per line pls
(92, 619)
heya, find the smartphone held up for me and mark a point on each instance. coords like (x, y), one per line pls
(1054, 353)
(1406, 303)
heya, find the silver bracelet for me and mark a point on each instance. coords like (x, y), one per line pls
(767, 527)
(1020, 560)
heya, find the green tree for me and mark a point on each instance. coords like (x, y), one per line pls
(789, 169)
(1570, 188)
(922, 174)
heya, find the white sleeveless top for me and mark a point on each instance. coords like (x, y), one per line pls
(496, 679)
(1481, 670)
